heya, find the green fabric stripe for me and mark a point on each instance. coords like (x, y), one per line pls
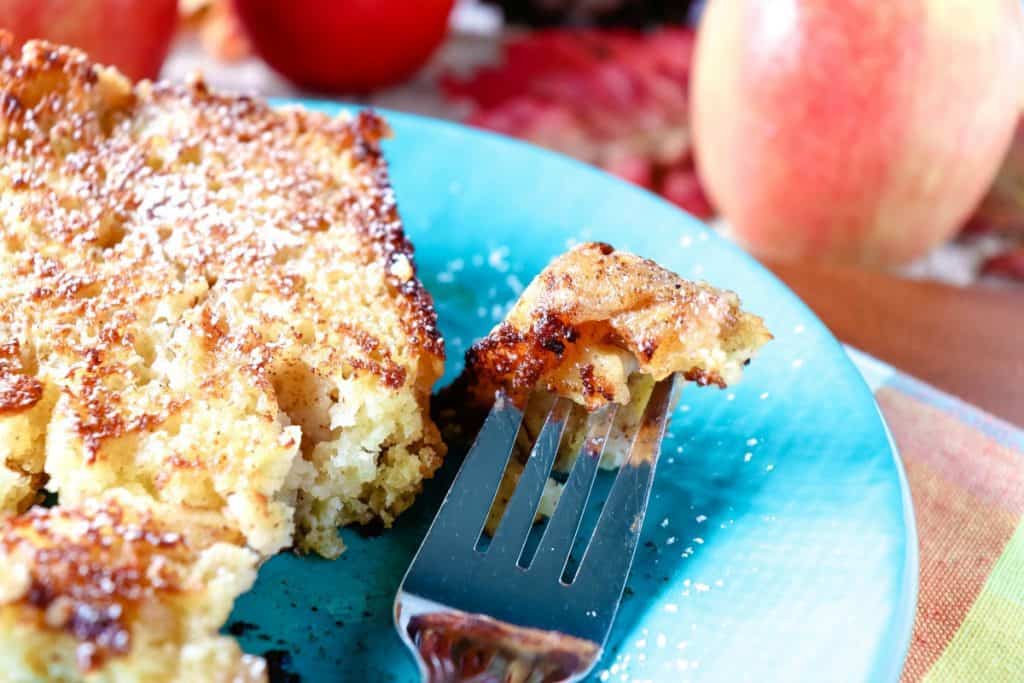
(989, 646)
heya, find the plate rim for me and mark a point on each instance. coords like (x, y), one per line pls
(889, 662)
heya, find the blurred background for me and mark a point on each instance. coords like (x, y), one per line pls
(870, 153)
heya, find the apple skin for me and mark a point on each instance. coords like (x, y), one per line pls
(350, 46)
(133, 35)
(860, 131)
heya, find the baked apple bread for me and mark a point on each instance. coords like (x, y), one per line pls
(120, 589)
(206, 301)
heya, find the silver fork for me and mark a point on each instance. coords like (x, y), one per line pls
(483, 616)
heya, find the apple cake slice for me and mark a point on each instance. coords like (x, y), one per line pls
(596, 316)
(207, 301)
(121, 589)
(601, 326)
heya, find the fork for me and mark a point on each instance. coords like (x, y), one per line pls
(494, 615)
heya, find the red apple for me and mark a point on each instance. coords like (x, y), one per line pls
(133, 35)
(345, 45)
(863, 130)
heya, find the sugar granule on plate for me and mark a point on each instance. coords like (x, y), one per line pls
(497, 259)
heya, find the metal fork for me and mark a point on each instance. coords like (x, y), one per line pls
(482, 616)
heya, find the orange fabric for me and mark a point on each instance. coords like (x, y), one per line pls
(968, 493)
(978, 464)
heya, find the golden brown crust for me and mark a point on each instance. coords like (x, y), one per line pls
(64, 116)
(89, 569)
(83, 585)
(18, 389)
(595, 315)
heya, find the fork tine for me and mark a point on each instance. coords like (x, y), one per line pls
(509, 540)
(461, 517)
(556, 543)
(606, 561)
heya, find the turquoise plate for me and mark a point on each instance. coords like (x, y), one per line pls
(780, 541)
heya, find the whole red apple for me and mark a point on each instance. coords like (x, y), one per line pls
(133, 35)
(345, 45)
(860, 130)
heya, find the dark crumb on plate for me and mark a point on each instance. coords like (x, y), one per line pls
(279, 663)
(367, 614)
(628, 592)
(371, 529)
(240, 628)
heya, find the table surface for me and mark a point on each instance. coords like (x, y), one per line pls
(967, 341)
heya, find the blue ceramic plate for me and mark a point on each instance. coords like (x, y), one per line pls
(780, 541)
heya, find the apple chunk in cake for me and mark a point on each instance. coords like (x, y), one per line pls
(206, 301)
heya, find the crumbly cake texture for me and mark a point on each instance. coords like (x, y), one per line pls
(601, 326)
(596, 316)
(122, 589)
(206, 301)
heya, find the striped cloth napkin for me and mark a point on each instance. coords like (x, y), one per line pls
(966, 474)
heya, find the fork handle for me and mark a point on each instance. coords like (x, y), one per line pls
(457, 647)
